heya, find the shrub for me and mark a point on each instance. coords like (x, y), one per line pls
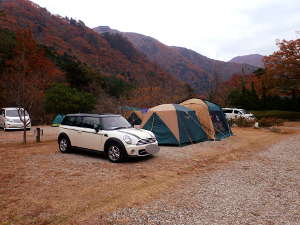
(270, 121)
(241, 122)
(288, 115)
(64, 99)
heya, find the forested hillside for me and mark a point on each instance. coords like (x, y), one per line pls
(108, 68)
(199, 71)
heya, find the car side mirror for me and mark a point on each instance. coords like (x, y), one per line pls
(97, 127)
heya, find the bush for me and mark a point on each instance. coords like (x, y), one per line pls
(287, 115)
(241, 122)
(64, 99)
(270, 121)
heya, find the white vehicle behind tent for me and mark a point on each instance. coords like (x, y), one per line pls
(9, 118)
(234, 113)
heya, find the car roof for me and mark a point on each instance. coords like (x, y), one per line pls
(11, 108)
(93, 115)
(233, 108)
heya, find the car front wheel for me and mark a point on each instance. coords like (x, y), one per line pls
(64, 145)
(115, 153)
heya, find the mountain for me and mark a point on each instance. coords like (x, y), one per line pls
(253, 59)
(187, 65)
(107, 55)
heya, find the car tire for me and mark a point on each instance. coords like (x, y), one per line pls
(64, 144)
(116, 153)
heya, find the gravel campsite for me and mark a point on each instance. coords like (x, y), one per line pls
(249, 178)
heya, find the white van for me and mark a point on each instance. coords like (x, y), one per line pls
(234, 113)
(9, 119)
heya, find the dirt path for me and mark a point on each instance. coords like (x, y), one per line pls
(263, 189)
(39, 185)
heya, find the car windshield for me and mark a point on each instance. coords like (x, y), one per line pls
(114, 123)
(244, 111)
(14, 113)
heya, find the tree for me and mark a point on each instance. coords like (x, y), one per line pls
(64, 99)
(27, 75)
(282, 68)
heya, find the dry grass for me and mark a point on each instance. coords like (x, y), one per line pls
(39, 185)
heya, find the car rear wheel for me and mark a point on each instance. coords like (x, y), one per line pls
(64, 145)
(115, 153)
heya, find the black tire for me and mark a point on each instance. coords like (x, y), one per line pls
(64, 144)
(116, 152)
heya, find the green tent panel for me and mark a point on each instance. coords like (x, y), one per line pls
(174, 124)
(57, 120)
(161, 131)
(134, 119)
(190, 129)
(219, 120)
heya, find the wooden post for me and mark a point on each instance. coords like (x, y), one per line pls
(38, 135)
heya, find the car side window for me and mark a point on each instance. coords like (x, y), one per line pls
(77, 121)
(236, 112)
(68, 120)
(228, 111)
(90, 122)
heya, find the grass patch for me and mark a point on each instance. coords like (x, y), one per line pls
(286, 115)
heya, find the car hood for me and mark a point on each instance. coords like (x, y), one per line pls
(137, 133)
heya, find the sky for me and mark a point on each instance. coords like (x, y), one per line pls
(219, 29)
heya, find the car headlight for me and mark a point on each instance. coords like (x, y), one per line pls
(127, 139)
(9, 120)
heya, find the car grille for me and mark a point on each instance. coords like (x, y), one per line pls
(146, 141)
(17, 121)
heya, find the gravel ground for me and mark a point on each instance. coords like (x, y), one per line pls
(16, 136)
(264, 189)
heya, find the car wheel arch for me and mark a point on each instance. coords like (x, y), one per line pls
(63, 135)
(113, 140)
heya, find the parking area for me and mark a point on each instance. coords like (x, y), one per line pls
(16, 136)
(40, 185)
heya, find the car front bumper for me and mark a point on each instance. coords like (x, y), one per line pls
(142, 150)
(10, 125)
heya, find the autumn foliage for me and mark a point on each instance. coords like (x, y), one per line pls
(48, 48)
(27, 74)
(277, 86)
(283, 67)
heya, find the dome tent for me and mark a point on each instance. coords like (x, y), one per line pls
(202, 112)
(57, 120)
(173, 124)
(219, 121)
(135, 118)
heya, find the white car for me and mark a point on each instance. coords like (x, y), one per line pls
(234, 113)
(9, 118)
(110, 133)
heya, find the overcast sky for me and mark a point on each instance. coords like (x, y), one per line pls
(219, 29)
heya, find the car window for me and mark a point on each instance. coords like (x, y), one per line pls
(227, 110)
(77, 121)
(14, 113)
(235, 112)
(68, 120)
(114, 122)
(244, 111)
(90, 122)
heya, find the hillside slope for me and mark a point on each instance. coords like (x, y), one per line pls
(66, 35)
(253, 59)
(187, 65)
